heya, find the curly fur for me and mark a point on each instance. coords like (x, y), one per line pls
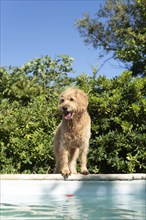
(73, 133)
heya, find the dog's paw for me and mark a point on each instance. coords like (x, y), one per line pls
(65, 173)
(85, 172)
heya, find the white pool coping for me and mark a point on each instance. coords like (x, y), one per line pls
(75, 177)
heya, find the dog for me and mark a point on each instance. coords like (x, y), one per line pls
(71, 140)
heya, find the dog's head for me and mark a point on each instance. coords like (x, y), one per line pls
(72, 101)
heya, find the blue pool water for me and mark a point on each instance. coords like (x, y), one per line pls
(40, 200)
(76, 208)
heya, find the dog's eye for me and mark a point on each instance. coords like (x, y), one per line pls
(72, 99)
(61, 100)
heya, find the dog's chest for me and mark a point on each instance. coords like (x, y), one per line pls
(73, 138)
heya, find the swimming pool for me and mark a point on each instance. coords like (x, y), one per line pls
(27, 197)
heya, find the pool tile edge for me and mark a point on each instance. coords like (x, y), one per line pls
(77, 177)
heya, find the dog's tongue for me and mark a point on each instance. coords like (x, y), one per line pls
(67, 116)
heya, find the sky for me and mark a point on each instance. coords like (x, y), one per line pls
(36, 28)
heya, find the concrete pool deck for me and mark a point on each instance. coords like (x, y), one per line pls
(75, 177)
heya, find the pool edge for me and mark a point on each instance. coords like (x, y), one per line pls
(75, 177)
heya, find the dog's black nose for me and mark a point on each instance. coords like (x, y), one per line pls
(64, 109)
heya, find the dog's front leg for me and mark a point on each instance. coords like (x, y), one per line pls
(83, 161)
(65, 171)
(74, 153)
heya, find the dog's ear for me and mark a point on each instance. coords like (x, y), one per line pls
(82, 100)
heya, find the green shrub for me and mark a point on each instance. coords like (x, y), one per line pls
(118, 111)
(29, 115)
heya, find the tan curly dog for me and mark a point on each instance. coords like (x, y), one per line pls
(73, 133)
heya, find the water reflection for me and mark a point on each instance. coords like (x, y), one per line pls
(77, 207)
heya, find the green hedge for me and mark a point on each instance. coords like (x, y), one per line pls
(29, 115)
(118, 111)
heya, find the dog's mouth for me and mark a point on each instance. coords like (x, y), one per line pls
(67, 115)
